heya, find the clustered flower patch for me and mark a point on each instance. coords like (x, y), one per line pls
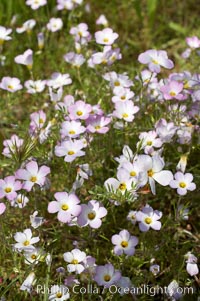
(98, 159)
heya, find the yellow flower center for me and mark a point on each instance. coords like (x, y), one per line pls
(150, 173)
(79, 113)
(71, 153)
(117, 84)
(155, 62)
(148, 220)
(26, 243)
(186, 85)
(33, 256)
(182, 184)
(97, 127)
(33, 179)
(107, 278)
(149, 143)
(106, 40)
(41, 120)
(132, 173)
(10, 87)
(124, 244)
(8, 189)
(72, 132)
(59, 295)
(122, 186)
(91, 215)
(172, 93)
(74, 261)
(65, 207)
(104, 62)
(125, 115)
(123, 97)
(19, 200)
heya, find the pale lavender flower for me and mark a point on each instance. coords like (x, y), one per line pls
(107, 57)
(25, 59)
(68, 4)
(91, 214)
(66, 205)
(81, 33)
(11, 84)
(117, 79)
(191, 267)
(2, 208)
(106, 275)
(8, 188)
(35, 4)
(79, 110)
(106, 36)
(70, 150)
(182, 183)
(71, 129)
(124, 243)
(76, 60)
(193, 42)
(27, 26)
(122, 94)
(149, 140)
(125, 110)
(12, 146)
(173, 90)
(59, 80)
(165, 130)
(149, 218)
(38, 120)
(155, 59)
(32, 175)
(98, 124)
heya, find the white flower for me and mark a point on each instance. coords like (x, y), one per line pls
(125, 110)
(20, 201)
(25, 240)
(191, 266)
(35, 4)
(55, 24)
(36, 221)
(25, 59)
(35, 86)
(4, 34)
(106, 36)
(153, 166)
(59, 80)
(59, 293)
(11, 84)
(28, 282)
(75, 260)
(32, 256)
(27, 26)
(102, 21)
